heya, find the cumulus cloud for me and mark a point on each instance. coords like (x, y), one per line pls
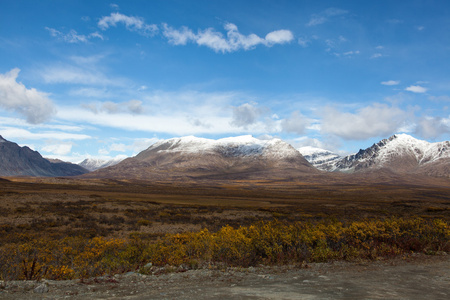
(245, 115)
(432, 127)
(324, 16)
(233, 41)
(416, 89)
(136, 24)
(72, 36)
(371, 121)
(390, 82)
(31, 103)
(296, 123)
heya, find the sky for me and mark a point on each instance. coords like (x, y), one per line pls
(102, 79)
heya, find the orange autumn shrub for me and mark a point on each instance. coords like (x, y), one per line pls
(271, 242)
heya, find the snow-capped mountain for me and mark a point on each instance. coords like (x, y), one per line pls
(320, 158)
(192, 156)
(93, 164)
(22, 161)
(400, 153)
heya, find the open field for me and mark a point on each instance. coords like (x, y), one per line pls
(116, 208)
(342, 219)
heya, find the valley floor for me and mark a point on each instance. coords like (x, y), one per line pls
(55, 208)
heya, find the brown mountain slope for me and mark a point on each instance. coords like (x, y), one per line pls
(231, 158)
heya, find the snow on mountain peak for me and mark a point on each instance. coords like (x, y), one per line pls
(231, 146)
(93, 164)
(400, 152)
(320, 158)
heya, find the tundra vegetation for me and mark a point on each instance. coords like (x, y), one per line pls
(66, 229)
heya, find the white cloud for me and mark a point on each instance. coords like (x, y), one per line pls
(58, 149)
(297, 123)
(135, 106)
(72, 36)
(234, 40)
(75, 75)
(440, 98)
(324, 16)
(178, 37)
(420, 28)
(376, 55)
(245, 115)
(118, 147)
(416, 89)
(31, 103)
(109, 107)
(136, 24)
(14, 133)
(278, 37)
(350, 53)
(432, 127)
(371, 121)
(303, 41)
(390, 82)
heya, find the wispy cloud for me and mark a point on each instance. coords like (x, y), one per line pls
(14, 133)
(136, 24)
(325, 16)
(233, 41)
(390, 82)
(416, 89)
(72, 36)
(65, 73)
(132, 106)
(376, 55)
(31, 103)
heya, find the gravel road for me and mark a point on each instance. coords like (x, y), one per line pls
(416, 277)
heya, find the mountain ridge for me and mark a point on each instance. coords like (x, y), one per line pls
(22, 161)
(400, 153)
(192, 156)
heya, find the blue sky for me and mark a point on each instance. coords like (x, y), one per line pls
(106, 78)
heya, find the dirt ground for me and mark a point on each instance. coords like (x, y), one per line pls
(416, 277)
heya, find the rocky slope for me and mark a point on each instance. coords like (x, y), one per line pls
(320, 158)
(229, 157)
(400, 153)
(22, 161)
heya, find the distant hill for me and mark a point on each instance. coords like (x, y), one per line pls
(400, 153)
(22, 161)
(93, 164)
(231, 158)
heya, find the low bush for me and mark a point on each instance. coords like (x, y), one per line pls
(264, 242)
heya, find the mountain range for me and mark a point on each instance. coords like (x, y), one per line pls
(400, 153)
(241, 157)
(22, 161)
(232, 158)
